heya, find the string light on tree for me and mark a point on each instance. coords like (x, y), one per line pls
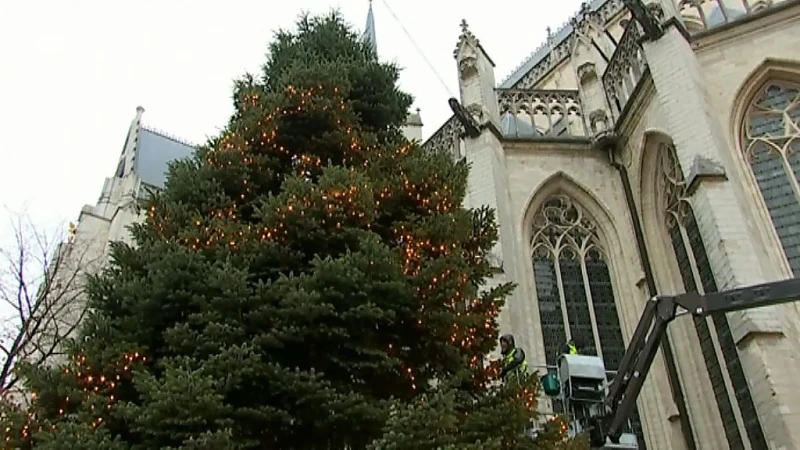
(97, 389)
(308, 255)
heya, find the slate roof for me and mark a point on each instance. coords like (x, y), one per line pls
(713, 19)
(369, 30)
(514, 127)
(537, 56)
(716, 18)
(154, 151)
(414, 119)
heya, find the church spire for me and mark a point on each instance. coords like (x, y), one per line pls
(369, 30)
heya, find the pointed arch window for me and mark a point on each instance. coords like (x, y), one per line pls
(573, 285)
(770, 138)
(696, 273)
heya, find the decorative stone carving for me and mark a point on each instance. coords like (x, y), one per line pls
(770, 134)
(643, 15)
(585, 19)
(562, 225)
(494, 260)
(469, 125)
(692, 19)
(657, 11)
(552, 112)
(466, 53)
(677, 190)
(446, 139)
(772, 127)
(587, 72)
(477, 112)
(465, 39)
(542, 59)
(625, 68)
(758, 5)
(598, 120)
(468, 67)
(605, 140)
(672, 186)
(701, 15)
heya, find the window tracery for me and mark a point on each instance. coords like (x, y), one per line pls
(771, 144)
(573, 286)
(697, 275)
(573, 282)
(562, 236)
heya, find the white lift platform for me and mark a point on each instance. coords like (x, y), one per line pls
(583, 378)
(584, 382)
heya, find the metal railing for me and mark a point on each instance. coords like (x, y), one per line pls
(554, 406)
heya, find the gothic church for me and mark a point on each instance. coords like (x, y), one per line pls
(630, 158)
(626, 158)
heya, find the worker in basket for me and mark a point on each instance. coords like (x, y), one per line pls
(569, 348)
(515, 365)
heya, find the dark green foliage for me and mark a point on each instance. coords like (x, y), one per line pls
(448, 418)
(301, 284)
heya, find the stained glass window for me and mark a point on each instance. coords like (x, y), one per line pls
(697, 276)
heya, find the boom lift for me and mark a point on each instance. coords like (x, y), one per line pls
(658, 313)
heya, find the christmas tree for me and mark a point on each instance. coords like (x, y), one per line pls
(309, 280)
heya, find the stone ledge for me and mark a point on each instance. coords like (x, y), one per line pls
(704, 169)
(750, 324)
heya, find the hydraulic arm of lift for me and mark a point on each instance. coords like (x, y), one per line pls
(658, 313)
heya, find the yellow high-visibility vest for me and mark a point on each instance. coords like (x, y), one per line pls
(521, 369)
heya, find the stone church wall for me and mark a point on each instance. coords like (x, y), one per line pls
(677, 101)
(736, 63)
(535, 172)
(640, 133)
(564, 76)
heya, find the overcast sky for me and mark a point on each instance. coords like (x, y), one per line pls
(72, 73)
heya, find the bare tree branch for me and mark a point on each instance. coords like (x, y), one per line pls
(41, 296)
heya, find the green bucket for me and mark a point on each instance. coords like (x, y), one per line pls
(550, 384)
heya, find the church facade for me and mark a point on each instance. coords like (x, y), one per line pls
(632, 157)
